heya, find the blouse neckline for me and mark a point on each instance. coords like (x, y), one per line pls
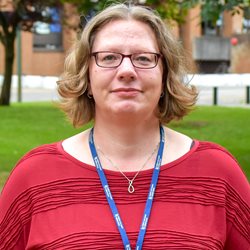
(115, 172)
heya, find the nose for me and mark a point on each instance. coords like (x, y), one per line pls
(126, 70)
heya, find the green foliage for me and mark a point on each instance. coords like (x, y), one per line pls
(172, 9)
(87, 7)
(212, 9)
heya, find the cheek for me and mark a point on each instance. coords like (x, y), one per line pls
(92, 74)
(156, 80)
(92, 80)
(160, 78)
(92, 71)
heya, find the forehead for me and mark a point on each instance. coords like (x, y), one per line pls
(125, 34)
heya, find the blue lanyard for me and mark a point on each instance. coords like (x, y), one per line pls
(111, 201)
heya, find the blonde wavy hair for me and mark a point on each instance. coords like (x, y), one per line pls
(178, 97)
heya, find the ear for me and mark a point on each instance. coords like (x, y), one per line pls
(162, 88)
(89, 90)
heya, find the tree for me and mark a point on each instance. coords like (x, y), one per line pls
(169, 9)
(212, 9)
(18, 14)
(174, 10)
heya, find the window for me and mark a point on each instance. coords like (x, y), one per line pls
(211, 28)
(246, 20)
(48, 36)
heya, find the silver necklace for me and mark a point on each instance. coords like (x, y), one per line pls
(131, 188)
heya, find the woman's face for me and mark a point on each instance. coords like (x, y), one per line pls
(125, 90)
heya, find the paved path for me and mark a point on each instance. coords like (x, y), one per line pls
(227, 96)
(35, 94)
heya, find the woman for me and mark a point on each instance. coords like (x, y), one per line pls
(129, 182)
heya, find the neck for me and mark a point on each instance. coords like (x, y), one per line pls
(127, 144)
(126, 135)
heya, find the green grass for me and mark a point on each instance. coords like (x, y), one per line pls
(27, 125)
(227, 126)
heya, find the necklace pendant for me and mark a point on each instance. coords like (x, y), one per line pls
(131, 188)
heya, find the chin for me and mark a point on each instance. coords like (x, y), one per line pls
(128, 111)
(126, 108)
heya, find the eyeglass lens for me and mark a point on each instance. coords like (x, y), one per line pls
(112, 59)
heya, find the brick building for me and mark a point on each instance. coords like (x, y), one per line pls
(43, 53)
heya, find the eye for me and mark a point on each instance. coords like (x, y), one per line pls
(108, 57)
(143, 58)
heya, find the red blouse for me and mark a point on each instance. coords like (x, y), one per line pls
(53, 201)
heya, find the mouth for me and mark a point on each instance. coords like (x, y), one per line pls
(126, 92)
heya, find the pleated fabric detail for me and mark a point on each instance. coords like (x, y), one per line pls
(193, 208)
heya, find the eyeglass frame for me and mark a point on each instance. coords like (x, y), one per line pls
(157, 55)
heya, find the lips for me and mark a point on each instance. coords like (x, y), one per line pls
(126, 92)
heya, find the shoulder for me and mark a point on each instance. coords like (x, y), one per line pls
(211, 147)
(39, 157)
(46, 149)
(24, 191)
(215, 157)
(201, 158)
(38, 173)
(218, 158)
(212, 164)
(33, 167)
(217, 164)
(229, 183)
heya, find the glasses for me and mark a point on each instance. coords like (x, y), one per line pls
(144, 60)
